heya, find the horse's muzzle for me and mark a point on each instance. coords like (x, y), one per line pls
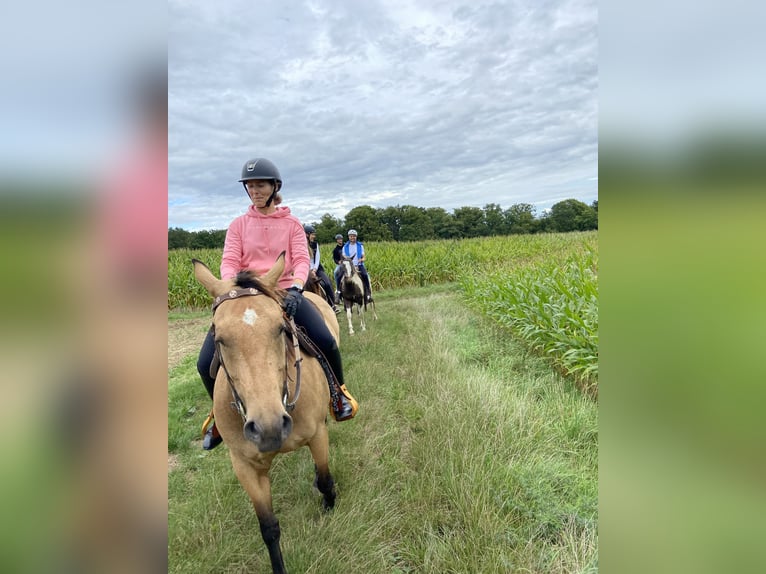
(269, 438)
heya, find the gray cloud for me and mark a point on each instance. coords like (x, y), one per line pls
(428, 103)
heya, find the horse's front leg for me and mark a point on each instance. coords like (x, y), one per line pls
(348, 316)
(362, 308)
(258, 486)
(320, 452)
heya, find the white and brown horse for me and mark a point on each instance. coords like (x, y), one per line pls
(352, 293)
(278, 408)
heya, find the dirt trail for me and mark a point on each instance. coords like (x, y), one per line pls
(185, 338)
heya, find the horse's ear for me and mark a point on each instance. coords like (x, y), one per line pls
(272, 277)
(209, 281)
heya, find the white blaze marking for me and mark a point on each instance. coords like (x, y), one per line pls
(249, 317)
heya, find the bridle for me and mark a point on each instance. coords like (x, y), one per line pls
(288, 327)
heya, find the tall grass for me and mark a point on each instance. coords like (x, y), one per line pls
(553, 306)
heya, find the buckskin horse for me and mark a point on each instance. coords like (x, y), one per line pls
(352, 293)
(266, 399)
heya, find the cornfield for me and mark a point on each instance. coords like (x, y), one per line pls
(553, 306)
(542, 288)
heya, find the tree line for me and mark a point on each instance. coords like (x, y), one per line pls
(411, 223)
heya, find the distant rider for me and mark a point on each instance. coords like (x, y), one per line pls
(337, 257)
(355, 250)
(316, 271)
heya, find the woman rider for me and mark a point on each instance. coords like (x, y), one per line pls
(254, 241)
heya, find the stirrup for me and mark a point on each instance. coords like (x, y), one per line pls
(337, 413)
(208, 421)
(211, 438)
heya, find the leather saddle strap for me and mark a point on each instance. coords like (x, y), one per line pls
(310, 348)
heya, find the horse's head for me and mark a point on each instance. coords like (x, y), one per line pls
(347, 264)
(249, 328)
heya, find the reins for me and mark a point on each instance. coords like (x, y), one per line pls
(298, 360)
(289, 327)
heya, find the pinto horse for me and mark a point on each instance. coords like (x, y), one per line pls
(266, 399)
(352, 293)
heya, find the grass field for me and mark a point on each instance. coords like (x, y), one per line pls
(470, 454)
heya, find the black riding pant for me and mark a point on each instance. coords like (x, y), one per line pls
(326, 284)
(307, 317)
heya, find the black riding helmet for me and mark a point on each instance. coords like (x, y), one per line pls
(309, 229)
(261, 168)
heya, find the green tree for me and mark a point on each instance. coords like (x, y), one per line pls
(366, 220)
(328, 228)
(587, 220)
(443, 223)
(391, 217)
(416, 225)
(494, 222)
(178, 238)
(470, 221)
(208, 239)
(572, 215)
(543, 223)
(520, 218)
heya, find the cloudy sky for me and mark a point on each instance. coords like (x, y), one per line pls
(433, 103)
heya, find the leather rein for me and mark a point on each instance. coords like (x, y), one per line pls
(288, 327)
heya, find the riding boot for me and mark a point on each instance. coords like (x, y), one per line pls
(211, 436)
(344, 406)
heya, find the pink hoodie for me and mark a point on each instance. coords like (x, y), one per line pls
(254, 241)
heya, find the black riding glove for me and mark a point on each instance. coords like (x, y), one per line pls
(292, 301)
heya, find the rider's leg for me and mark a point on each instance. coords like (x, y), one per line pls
(212, 439)
(324, 281)
(309, 318)
(332, 281)
(366, 281)
(338, 274)
(204, 361)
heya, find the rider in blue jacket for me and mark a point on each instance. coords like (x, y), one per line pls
(355, 250)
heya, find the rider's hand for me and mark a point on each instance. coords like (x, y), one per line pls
(292, 300)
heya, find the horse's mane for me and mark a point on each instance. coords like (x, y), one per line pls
(248, 279)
